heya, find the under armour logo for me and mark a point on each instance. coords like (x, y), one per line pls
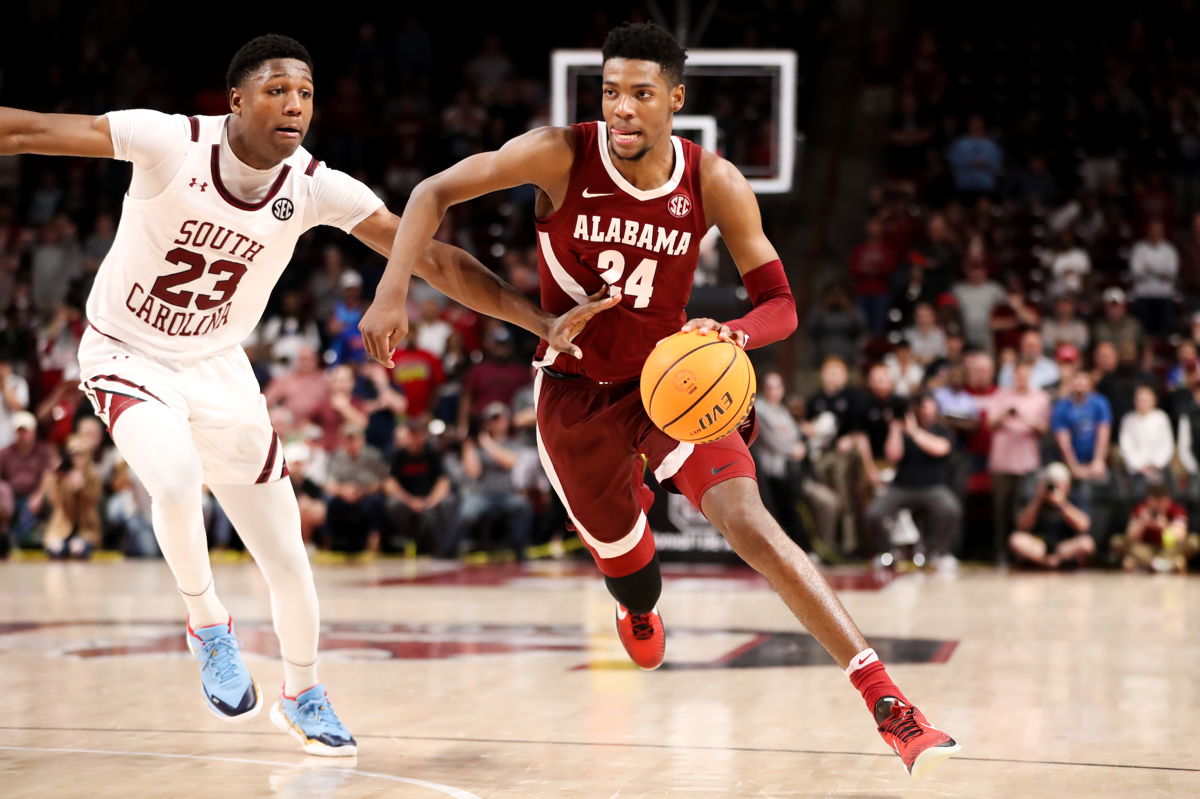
(203, 186)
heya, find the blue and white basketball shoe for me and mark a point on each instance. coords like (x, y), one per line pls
(229, 690)
(309, 718)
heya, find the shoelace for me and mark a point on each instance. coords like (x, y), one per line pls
(221, 656)
(313, 709)
(643, 627)
(902, 724)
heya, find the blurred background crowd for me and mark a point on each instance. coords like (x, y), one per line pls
(1002, 307)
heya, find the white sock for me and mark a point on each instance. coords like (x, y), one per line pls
(298, 679)
(861, 661)
(205, 608)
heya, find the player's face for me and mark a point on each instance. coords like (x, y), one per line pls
(638, 106)
(275, 106)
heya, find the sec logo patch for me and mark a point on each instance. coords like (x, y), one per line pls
(283, 209)
(680, 206)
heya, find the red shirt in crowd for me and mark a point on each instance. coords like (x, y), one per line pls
(418, 373)
(871, 267)
(494, 381)
(1152, 531)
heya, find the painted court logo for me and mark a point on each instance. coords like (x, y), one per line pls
(680, 206)
(283, 209)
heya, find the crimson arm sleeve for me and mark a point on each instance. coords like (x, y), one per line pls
(773, 317)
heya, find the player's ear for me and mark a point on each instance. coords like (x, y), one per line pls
(235, 101)
(677, 98)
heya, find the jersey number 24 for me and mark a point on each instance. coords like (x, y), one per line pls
(640, 284)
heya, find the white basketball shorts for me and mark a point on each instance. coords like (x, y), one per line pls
(217, 396)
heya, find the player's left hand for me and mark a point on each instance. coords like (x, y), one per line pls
(724, 332)
(565, 328)
(382, 327)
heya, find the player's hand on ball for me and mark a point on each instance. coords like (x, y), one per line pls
(724, 332)
(382, 327)
(565, 328)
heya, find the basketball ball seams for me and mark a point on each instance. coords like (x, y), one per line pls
(668, 370)
(744, 407)
(715, 383)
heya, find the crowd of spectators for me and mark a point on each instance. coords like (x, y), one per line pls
(1031, 264)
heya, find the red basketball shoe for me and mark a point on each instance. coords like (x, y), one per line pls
(643, 637)
(920, 745)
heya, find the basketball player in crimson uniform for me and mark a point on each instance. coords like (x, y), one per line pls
(622, 206)
(209, 223)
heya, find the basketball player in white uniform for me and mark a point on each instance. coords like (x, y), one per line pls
(209, 223)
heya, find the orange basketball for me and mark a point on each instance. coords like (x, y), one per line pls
(697, 388)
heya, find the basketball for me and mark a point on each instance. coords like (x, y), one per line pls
(697, 388)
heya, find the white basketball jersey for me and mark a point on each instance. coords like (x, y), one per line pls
(190, 270)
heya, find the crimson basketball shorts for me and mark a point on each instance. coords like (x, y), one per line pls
(217, 396)
(592, 438)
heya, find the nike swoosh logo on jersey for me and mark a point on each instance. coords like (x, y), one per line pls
(723, 468)
(587, 193)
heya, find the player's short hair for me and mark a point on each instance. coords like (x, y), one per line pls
(647, 41)
(253, 53)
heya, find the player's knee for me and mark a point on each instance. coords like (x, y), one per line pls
(178, 483)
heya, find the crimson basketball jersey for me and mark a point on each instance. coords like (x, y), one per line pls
(644, 241)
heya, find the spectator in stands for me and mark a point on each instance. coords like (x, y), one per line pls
(1082, 425)
(24, 465)
(127, 513)
(1104, 361)
(927, 340)
(909, 132)
(432, 332)
(1119, 385)
(496, 378)
(309, 494)
(919, 447)
(1157, 537)
(1011, 318)
(1018, 417)
(383, 405)
(73, 492)
(1069, 266)
(880, 408)
(489, 459)
(283, 335)
(907, 375)
(1154, 263)
(344, 408)
(836, 328)
(975, 160)
(345, 344)
(1185, 361)
(1052, 531)
(304, 392)
(1069, 362)
(1117, 325)
(55, 262)
(419, 493)
(977, 297)
(14, 398)
(933, 267)
(1035, 184)
(871, 266)
(1065, 326)
(1043, 370)
(355, 519)
(831, 415)
(1145, 443)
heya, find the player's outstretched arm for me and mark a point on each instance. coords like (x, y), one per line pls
(731, 205)
(24, 132)
(461, 277)
(541, 157)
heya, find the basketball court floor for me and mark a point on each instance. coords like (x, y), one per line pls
(502, 682)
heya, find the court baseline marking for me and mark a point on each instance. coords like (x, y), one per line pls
(698, 747)
(456, 793)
